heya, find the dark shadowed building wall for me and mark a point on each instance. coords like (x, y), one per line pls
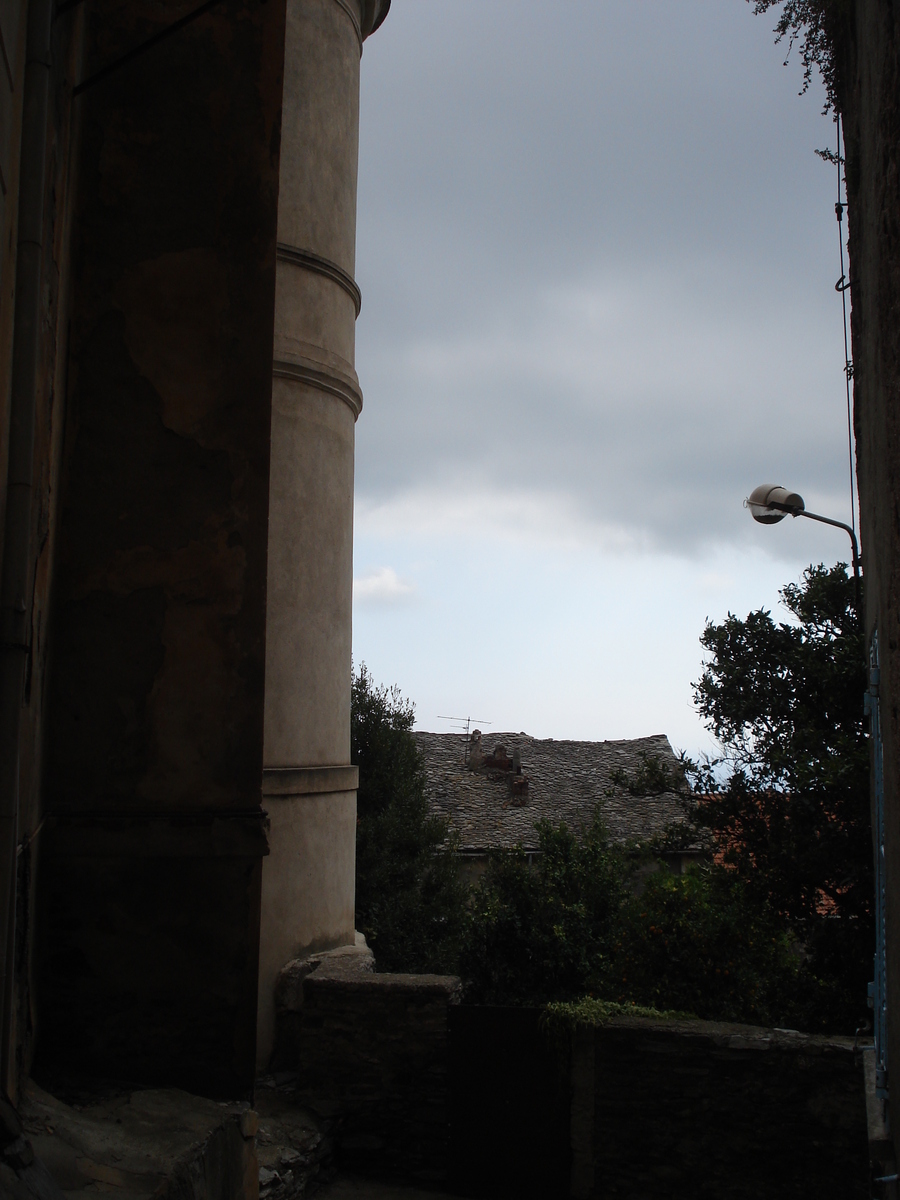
(867, 34)
(151, 868)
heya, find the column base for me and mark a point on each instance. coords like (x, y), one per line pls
(308, 881)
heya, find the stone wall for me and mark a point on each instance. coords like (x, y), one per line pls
(697, 1109)
(371, 1050)
(161, 1143)
(492, 1102)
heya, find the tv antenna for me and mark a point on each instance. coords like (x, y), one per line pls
(462, 724)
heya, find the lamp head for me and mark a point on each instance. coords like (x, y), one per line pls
(769, 504)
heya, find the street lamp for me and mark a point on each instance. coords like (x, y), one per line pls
(769, 504)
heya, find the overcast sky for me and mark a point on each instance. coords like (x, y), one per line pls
(597, 255)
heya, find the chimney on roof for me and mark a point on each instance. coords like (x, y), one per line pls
(499, 760)
(476, 757)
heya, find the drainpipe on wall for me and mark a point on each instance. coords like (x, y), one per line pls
(17, 573)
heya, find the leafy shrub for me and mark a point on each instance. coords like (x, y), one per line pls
(410, 902)
(543, 932)
(702, 943)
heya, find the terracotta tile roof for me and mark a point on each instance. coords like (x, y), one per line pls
(566, 780)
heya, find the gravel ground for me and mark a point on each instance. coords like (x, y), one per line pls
(347, 1187)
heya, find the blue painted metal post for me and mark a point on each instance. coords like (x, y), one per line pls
(878, 987)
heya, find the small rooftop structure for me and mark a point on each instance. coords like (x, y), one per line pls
(563, 781)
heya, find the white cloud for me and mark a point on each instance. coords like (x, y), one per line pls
(485, 516)
(382, 586)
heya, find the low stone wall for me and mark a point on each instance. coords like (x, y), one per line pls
(484, 1099)
(371, 1051)
(700, 1109)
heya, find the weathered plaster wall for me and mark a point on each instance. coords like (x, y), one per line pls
(143, 733)
(12, 70)
(150, 923)
(306, 903)
(50, 227)
(870, 100)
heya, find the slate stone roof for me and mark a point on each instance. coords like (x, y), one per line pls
(566, 781)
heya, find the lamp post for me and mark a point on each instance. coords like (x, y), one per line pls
(769, 504)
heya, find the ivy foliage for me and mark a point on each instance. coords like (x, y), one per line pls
(811, 25)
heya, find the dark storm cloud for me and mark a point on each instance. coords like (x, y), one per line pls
(597, 254)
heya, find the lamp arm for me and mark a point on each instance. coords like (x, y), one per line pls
(802, 512)
(847, 529)
(838, 525)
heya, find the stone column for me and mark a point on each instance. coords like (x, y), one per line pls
(309, 787)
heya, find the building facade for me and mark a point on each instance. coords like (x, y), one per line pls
(178, 400)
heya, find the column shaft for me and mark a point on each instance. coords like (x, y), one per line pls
(309, 788)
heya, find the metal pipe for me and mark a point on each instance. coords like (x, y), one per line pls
(853, 543)
(802, 512)
(18, 568)
(838, 525)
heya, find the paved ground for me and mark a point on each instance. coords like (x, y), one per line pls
(347, 1187)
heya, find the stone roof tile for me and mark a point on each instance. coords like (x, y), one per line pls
(567, 780)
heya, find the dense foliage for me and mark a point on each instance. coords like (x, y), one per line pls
(544, 932)
(703, 942)
(587, 919)
(786, 702)
(410, 903)
(791, 817)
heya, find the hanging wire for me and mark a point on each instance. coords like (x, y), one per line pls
(841, 286)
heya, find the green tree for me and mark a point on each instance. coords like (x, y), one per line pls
(584, 920)
(410, 902)
(791, 815)
(703, 943)
(544, 931)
